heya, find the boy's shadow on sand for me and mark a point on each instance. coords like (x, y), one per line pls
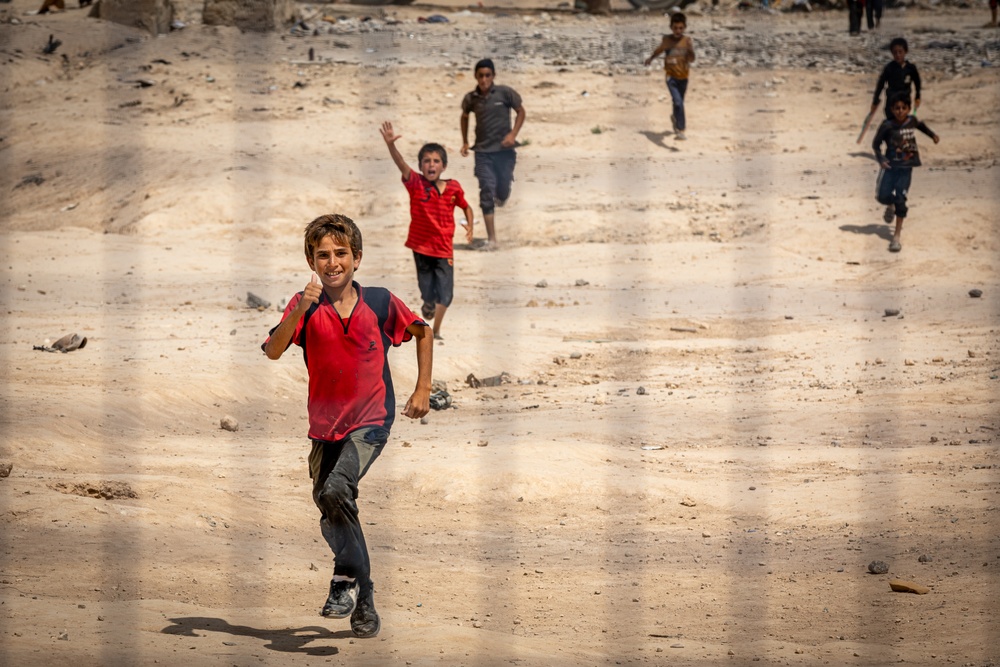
(658, 137)
(882, 231)
(287, 640)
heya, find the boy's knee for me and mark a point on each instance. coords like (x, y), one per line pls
(336, 496)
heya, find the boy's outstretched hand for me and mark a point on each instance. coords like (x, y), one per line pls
(387, 133)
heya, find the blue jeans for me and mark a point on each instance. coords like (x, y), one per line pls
(891, 188)
(677, 88)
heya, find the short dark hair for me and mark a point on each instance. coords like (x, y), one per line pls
(340, 227)
(900, 97)
(678, 17)
(485, 62)
(899, 41)
(433, 148)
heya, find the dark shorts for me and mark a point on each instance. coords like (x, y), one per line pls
(435, 278)
(495, 172)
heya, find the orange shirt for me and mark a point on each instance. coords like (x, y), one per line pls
(678, 54)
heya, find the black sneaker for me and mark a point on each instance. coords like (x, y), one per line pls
(342, 599)
(365, 622)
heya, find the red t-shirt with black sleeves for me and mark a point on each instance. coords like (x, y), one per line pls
(350, 385)
(432, 215)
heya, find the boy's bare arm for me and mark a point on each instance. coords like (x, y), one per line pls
(690, 51)
(282, 336)
(469, 219)
(419, 403)
(464, 124)
(390, 141)
(511, 137)
(657, 51)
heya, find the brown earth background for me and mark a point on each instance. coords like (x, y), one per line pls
(712, 426)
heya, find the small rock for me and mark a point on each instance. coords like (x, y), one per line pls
(64, 636)
(972, 354)
(312, 566)
(641, 391)
(254, 301)
(975, 293)
(424, 421)
(909, 362)
(5, 469)
(878, 567)
(688, 502)
(542, 283)
(580, 282)
(575, 355)
(706, 534)
(229, 423)
(924, 558)
(891, 312)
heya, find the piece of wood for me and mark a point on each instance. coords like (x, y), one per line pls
(901, 586)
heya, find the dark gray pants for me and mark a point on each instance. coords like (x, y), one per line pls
(495, 172)
(336, 468)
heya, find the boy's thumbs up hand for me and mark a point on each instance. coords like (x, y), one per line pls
(312, 292)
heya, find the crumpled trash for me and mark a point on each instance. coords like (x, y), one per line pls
(440, 400)
(493, 381)
(67, 343)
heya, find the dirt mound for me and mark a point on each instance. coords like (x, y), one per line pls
(106, 490)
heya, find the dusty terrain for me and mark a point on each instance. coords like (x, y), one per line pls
(712, 426)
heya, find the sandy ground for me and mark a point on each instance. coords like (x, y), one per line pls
(786, 434)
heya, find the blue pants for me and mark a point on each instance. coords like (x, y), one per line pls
(336, 468)
(677, 88)
(892, 186)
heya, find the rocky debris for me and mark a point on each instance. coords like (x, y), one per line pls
(152, 15)
(729, 43)
(67, 343)
(641, 391)
(878, 567)
(254, 301)
(924, 558)
(252, 15)
(492, 381)
(229, 423)
(5, 469)
(975, 293)
(901, 586)
(105, 490)
(688, 502)
(891, 312)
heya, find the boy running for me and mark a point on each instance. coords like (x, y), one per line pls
(433, 201)
(677, 65)
(901, 155)
(899, 76)
(351, 402)
(495, 140)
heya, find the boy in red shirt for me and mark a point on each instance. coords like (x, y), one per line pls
(433, 201)
(351, 402)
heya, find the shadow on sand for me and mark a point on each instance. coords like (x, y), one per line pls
(287, 640)
(882, 231)
(658, 137)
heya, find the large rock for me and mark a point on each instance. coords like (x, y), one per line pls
(259, 15)
(152, 15)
